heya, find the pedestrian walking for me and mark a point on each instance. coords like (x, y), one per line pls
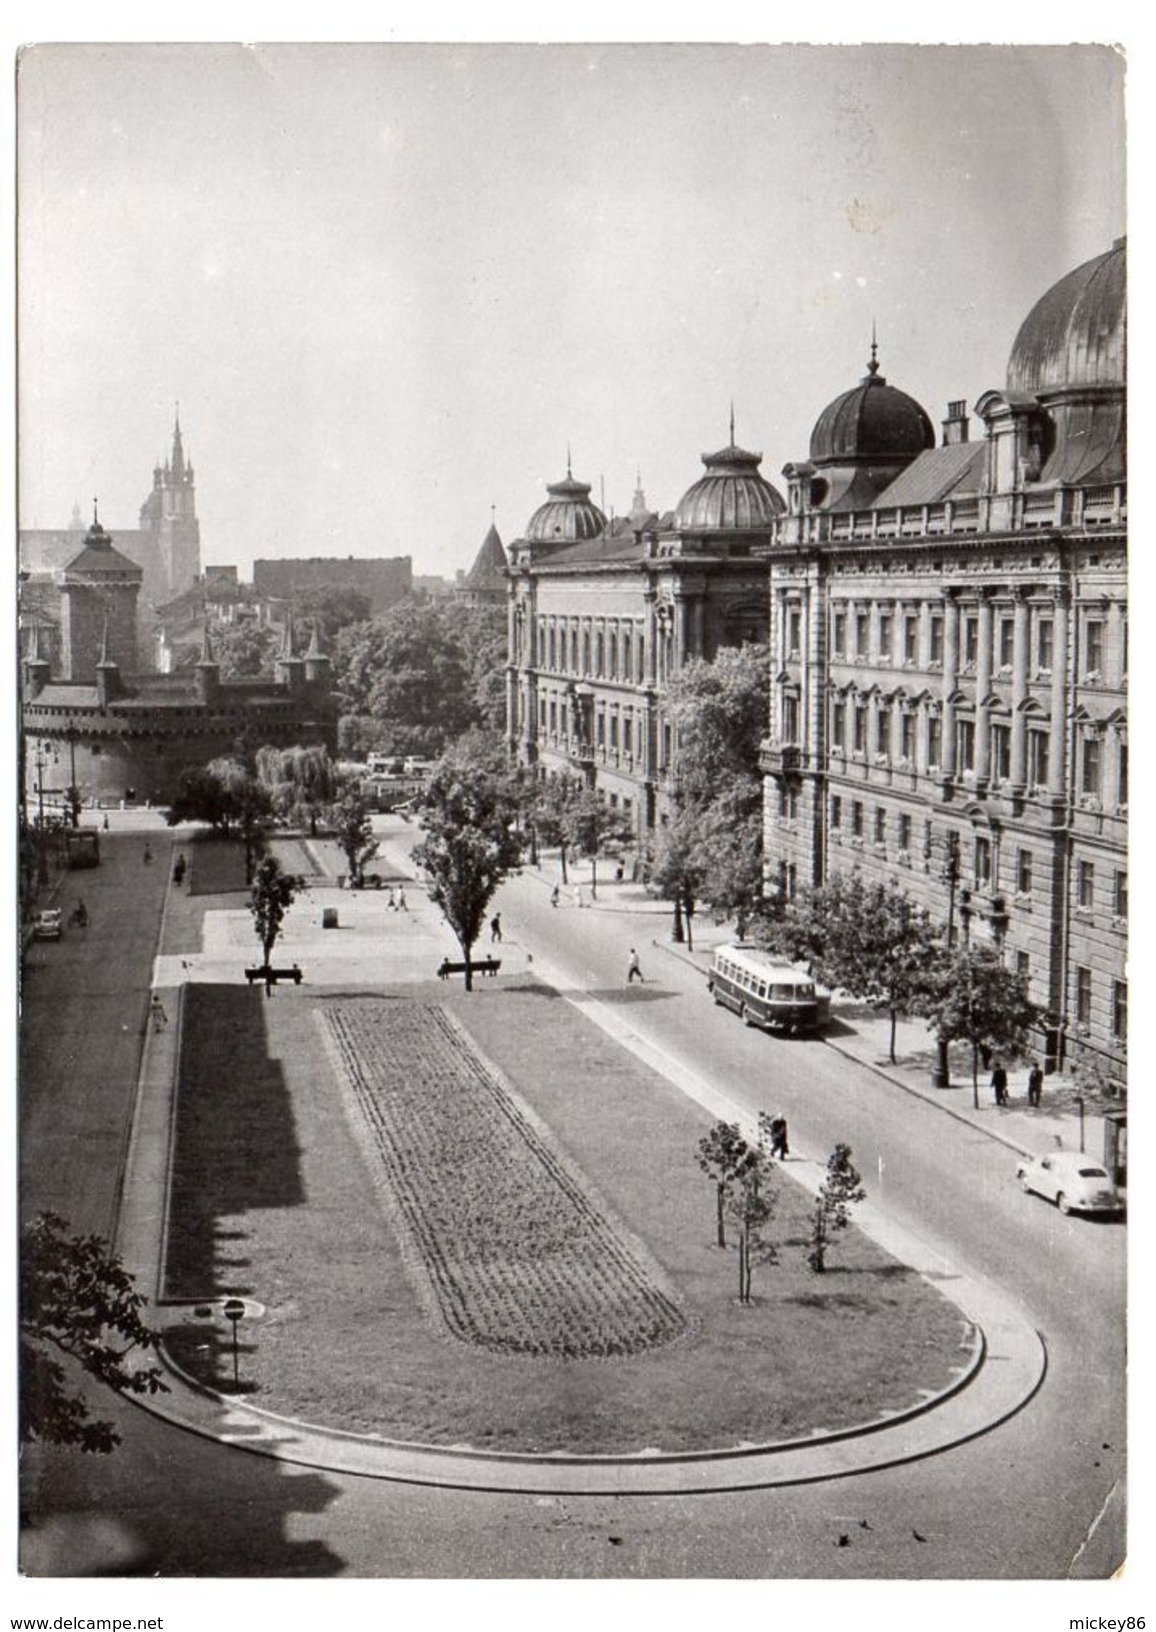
(496, 927)
(578, 901)
(105, 823)
(634, 968)
(555, 896)
(401, 907)
(179, 870)
(999, 1083)
(148, 855)
(779, 1145)
(157, 1010)
(392, 903)
(1035, 1085)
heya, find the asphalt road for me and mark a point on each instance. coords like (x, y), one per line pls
(1039, 1497)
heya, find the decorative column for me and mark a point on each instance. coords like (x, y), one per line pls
(699, 637)
(950, 678)
(1057, 736)
(650, 638)
(681, 629)
(983, 690)
(1021, 651)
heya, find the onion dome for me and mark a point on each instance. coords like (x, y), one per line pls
(872, 423)
(732, 496)
(1074, 336)
(568, 516)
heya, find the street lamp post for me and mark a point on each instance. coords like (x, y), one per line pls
(941, 1075)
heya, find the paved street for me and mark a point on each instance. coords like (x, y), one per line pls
(991, 1508)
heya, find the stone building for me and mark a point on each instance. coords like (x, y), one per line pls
(950, 659)
(166, 546)
(382, 580)
(112, 733)
(603, 615)
(485, 583)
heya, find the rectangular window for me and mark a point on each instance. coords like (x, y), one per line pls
(1024, 966)
(1120, 1010)
(982, 863)
(904, 832)
(790, 719)
(1085, 884)
(1120, 895)
(880, 825)
(884, 634)
(1024, 872)
(910, 638)
(1000, 753)
(839, 634)
(838, 725)
(935, 654)
(1007, 642)
(1090, 767)
(970, 641)
(1083, 996)
(857, 818)
(1038, 758)
(1093, 647)
(792, 880)
(934, 741)
(860, 728)
(883, 729)
(836, 811)
(1044, 631)
(794, 631)
(965, 745)
(907, 737)
(614, 730)
(1122, 773)
(862, 634)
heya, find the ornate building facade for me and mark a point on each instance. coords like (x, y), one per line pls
(602, 616)
(950, 660)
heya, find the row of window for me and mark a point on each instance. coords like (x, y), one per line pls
(1083, 996)
(985, 859)
(613, 654)
(849, 734)
(897, 637)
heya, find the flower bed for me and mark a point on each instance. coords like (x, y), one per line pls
(502, 1236)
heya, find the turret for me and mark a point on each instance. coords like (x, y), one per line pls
(37, 669)
(208, 674)
(318, 668)
(291, 668)
(109, 685)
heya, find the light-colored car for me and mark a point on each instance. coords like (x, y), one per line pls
(1076, 1183)
(49, 924)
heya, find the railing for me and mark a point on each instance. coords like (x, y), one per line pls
(1055, 507)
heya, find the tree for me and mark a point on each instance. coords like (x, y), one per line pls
(728, 852)
(750, 1201)
(301, 782)
(228, 794)
(869, 939)
(353, 829)
(720, 1156)
(588, 823)
(973, 998)
(78, 1304)
(677, 869)
(840, 1190)
(329, 610)
(244, 650)
(409, 669)
(471, 843)
(269, 900)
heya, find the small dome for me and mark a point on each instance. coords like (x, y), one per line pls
(1073, 337)
(568, 516)
(732, 496)
(873, 421)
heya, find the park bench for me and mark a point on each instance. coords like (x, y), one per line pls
(274, 975)
(482, 966)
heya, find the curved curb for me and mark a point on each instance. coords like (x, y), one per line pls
(1006, 1368)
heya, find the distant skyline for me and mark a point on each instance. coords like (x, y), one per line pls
(391, 285)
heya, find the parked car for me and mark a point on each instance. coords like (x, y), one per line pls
(48, 924)
(1076, 1183)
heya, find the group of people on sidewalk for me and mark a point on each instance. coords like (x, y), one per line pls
(999, 1084)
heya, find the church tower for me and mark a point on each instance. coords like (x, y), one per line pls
(169, 515)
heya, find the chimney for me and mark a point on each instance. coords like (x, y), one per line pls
(955, 425)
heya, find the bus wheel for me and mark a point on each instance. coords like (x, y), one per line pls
(745, 1017)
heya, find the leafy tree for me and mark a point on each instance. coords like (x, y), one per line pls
(248, 805)
(678, 867)
(751, 1204)
(301, 782)
(329, 610)
(78, 1305)
(728, 852)
(352, 825)
(200, 798)
(482, 634)
(975, 999)
(870, 939)
(720, 1156)
(245, 650)
(269, 900)
(840, 1190)
(719, 711)
(471, 844)
(409, 669)
(589, 823)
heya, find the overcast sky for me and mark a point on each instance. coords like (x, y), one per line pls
(389, 285)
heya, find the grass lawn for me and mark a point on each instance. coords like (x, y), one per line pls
(278, 1196)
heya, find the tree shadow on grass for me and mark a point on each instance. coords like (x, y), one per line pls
(235, 1143)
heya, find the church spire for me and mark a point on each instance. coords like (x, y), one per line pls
(178, 463)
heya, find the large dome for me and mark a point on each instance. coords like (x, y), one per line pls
(1074, 336)
(568, 516)
(732, 496)
(871, 422)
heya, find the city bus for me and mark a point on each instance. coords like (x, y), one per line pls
(765, 992)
